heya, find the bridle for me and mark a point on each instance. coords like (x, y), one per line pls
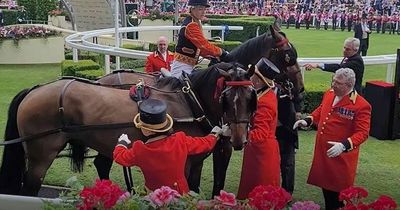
(235, 85)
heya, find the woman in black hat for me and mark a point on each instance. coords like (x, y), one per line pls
(160, 155)
(191, 41)
(261, 161)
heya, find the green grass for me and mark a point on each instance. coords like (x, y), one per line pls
(379, 165)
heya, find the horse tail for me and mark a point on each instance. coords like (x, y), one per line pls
(13, 165)
(77, 153)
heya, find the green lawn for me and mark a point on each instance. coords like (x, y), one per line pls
(379, 168)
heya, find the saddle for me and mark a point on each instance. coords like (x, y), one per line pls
(139, 92)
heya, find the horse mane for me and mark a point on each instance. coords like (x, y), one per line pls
(246, 51)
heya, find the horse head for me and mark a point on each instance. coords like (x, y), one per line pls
(238, 101)
(284, 56)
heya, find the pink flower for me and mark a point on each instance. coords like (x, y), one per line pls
(163, 196)
(226, 198)
(123, 197)
(305, 205)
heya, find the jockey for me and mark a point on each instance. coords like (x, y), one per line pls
(191, 41)
(161, 155)
(261, 160)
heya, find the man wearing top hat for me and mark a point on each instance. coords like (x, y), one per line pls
(191, 41)
(159, 154)
(261, 160)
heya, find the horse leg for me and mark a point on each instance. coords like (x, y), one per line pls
(103, 166)
(221, 156)
(39, 159)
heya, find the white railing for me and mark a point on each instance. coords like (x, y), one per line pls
(83, 41)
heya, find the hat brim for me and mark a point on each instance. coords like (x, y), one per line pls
(157, 128)
(204, 5)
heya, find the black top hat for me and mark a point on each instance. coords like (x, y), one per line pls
(153, 116)
(267, 68)
(198, 3)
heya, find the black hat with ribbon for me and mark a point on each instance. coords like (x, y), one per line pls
(198, 3)
(153, 116)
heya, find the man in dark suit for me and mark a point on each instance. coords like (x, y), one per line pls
(351, 60)
(361, 32)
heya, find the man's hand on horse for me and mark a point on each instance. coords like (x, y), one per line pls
(216, 131)
(226, 130)
(124, 140)
(224, 56)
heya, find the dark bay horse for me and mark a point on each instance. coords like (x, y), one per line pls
(272, 45)
(45, 118)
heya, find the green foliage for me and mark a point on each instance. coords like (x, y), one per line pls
(228, 45)
(133, 47)
(38, 9)
(133, 64)
(10, 16)
(85, 55)
(249, 24)
(90, 74)
(153, 47)
(70, 68)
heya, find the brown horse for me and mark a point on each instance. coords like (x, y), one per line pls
(273, 45)
(44, 119)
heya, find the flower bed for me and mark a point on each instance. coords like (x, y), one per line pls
(107, 195)
(29, 45)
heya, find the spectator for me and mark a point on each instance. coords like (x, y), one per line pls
(261, 154)
(351, 60)
(1, 18)
(160, 155)
(21, 15)
(191, 41)
(343, 121)
(161, 58)
(361, 32)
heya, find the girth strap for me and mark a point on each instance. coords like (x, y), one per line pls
(61, 102)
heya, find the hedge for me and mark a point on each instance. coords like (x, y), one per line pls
(90, 74)
(85, 55)
(38, 9)
(249, 24)
(133, 64)
(70, 68)
(10, 17)
(133, 47)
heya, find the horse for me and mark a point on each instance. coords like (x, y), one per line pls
(44, 119)
(273, 45)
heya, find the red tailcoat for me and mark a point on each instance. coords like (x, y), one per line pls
(261, 159)
(155, 61)
(163, 162)
(348, 120)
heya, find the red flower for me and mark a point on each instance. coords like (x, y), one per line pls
(104, 195)
(384, 203)
(226, 198)
(268, 197)
(353, 195)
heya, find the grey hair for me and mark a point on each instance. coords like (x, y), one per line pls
(354, 41)
(348, 74)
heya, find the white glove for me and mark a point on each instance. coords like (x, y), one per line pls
(216, 131)
(226, 130)
(336, 149)
(301, 123)
(124, 138)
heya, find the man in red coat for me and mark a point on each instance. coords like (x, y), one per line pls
(161, 156)
(161, 58)
(343, 121)
(191, 41)
(261, 160)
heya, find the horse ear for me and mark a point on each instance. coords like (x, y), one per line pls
(223, 72)
(277, 24)
(251, 70)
